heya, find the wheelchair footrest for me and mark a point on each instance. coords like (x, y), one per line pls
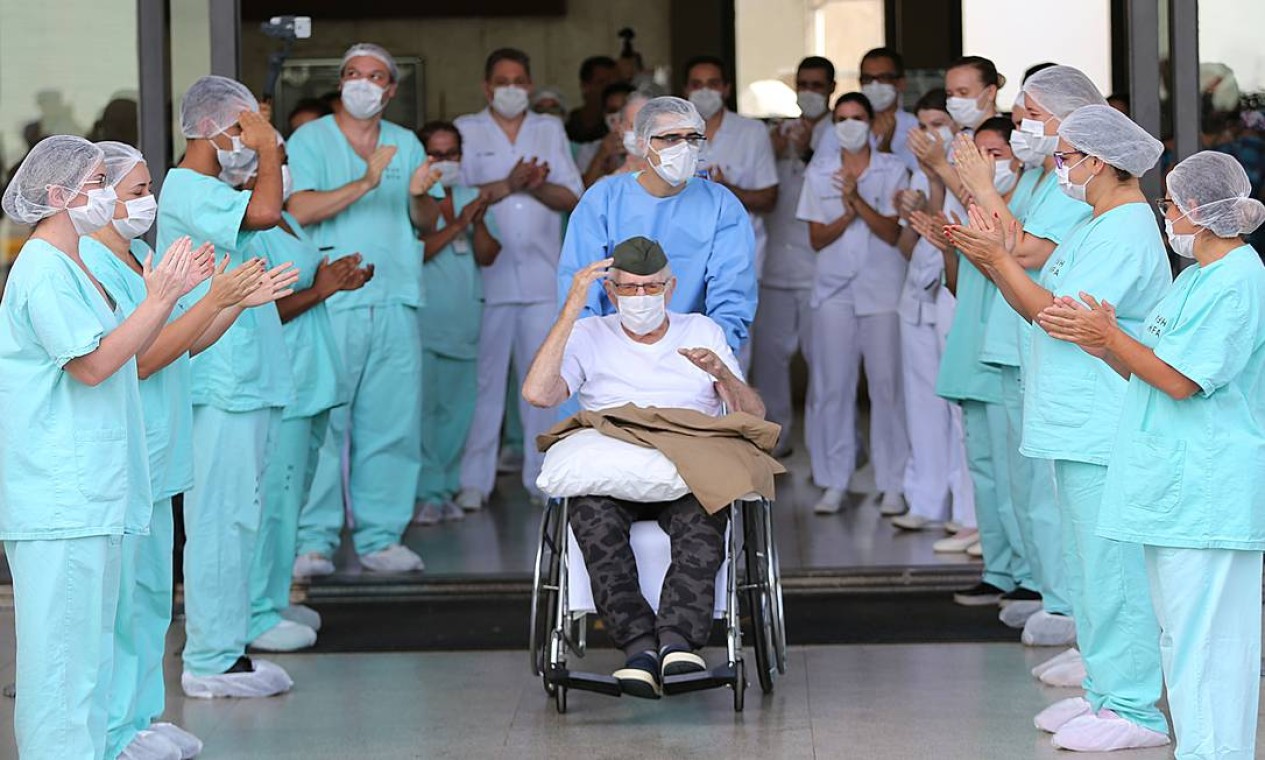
(575, 679)
(722, 675)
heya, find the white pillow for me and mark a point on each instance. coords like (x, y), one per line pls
(587, 463)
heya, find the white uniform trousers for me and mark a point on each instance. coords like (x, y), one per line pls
(782, 326)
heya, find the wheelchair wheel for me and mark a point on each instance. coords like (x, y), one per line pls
(759, 596)
(739, 685)
(544, 599)
(775, 588)
(560, 699)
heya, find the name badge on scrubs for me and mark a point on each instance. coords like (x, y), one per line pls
(461, 244)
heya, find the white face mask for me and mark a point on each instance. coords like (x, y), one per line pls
(966, 112)
(510, 101)
(1021, 144)
(811, 104)
(853, 134)
(1183, 245)
(1073, 191)
(881, 95)
(1004, 176)
(96, 213)
(141, 213)
(363, 99)
(641, 315)
(677, 163)
(449, 171)
(630, 142)
(238, 164)
(1042, 144)
(707, 101)
(946, 135)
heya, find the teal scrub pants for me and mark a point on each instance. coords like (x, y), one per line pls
(987, 458)
(1116, 628)
(449, 390)
(1209, 606)
(65, 594)
(380, 430)
(221, 517)
(137, 695)
(1036, 513)
(287, 480)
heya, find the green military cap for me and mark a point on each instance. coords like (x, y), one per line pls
(639, 256)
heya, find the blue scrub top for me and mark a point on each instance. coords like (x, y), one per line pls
(704, 230)
(73, 461)
(315, 363)
(453, 313)
(248, 368)
(377, 226)
(1191, 474)
(1072, 401)
(166, 395)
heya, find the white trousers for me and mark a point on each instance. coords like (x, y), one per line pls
(841, 340)
(509, 330)
(937, 481)
(782, 326)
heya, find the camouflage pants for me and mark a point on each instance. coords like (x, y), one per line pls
(601, 525)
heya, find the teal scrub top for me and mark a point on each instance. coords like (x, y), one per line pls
(320, 382)
(1190, 474)
(72, 457)
(248, 368)
(1072, 401)
(377, 226)
(451, 318)
(166, 395)
(963, 377)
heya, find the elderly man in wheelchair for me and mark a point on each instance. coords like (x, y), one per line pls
(649, 357)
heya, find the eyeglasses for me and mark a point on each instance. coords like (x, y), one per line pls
(1060, 157)
(95, 181)
(1164, 204)
(640, 288)
(380, 78)
(885, 78)
(695, 139)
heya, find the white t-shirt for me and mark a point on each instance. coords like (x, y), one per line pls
(607, 368)
(743, 151)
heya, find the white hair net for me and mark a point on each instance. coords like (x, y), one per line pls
(63, 161)
(1214, 190)
(1062, 89)
(549, 93)
(1105, 133)
(213, 104)
(660, 115)
(373, 51)
(120, 158)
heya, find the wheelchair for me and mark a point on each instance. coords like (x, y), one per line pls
(749, 575)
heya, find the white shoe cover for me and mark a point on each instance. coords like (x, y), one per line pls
(1046, 630)
(311, 565)
(267, 680)
(303, 615)
(956, 544)
(1062, 712)
(190, 746)
(285, 636)
(429, 514)
(1106, 732)
(396, 558)
(1069, 675)
(1067, 655)
(150, 745)
(451, 512)
(1016, 614)
(830, 503)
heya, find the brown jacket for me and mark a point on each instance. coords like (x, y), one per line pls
(720, 458)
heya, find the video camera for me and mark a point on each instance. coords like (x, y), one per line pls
(287, 29)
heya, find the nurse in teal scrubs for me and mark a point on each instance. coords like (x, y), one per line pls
(1187, 476)
(74, 467)
(1071, 405)
(114, 255)
(464, 240)
(240, 385)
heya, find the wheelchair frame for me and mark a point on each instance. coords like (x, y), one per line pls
(557, 631)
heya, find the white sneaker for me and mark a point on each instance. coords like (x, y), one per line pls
(1070, 655)
(956, 544)
(1017, 614)
(150, 745)
(1062, 712)
(893, 504)
(285, 637)
(1069, 675)
(470, 499)
(396, 558)
(1046, 630)
(303, 615)
(264, 680)
(831, 502)
(975, 550)
(312, 565)
(190, 746)
(1106, 732)
(953, 527)
(910, 521)
(429, 514)
(450, 512)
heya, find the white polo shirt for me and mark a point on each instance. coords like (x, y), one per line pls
(743, 151)
(530, 232)
(791, 263)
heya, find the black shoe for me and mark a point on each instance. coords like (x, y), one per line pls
(679, 661)
(980, 595)
(1020, 594)
(640, 676)
(243, 665)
